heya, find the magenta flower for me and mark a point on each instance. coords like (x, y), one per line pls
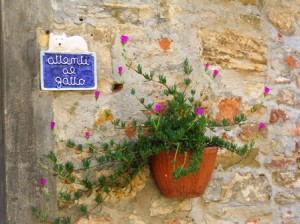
(120, 70)
(216, 72)
(267, 90)
(206, 67)
(124, 39)
(157, 108)
(87, 134)
(97, 94)
(262, 126)
(43, 182)
(52, 124)
(199, 111)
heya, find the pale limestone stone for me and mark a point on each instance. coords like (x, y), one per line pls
(247, 189)
(282, 80)
(233, 50)
(286, 97)
(225, 213)
(163, 206)
(95, 219)
(132, 219)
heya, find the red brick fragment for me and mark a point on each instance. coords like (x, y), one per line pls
(277, 115)
(165, 44)
(229, 108)
(281, 163)
(291, 62)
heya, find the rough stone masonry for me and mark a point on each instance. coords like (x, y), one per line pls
(253, 42)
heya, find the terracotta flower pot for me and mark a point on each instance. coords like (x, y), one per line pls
(192, 185)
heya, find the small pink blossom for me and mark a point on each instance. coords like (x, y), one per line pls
(199, 111)
(157, 108)
(206, 67)
(120, 70)
(267, 90)
(262, 126)
(52, 124)
(124, 39)
(87, 134)
(43, 182)
(97, 94)
(216, 72)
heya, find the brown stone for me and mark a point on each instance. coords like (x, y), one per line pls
(297, 146)
(103, 116)
(248, 2)
(288, 179)
(94, 219)
(296, 131)
(277, 115)
(286, 97)
(233, 50)
(286, 198)
(130, 131)
(298, 82)
(228, 159)
(229, 108)
(250, 131)
(252, 19)
(179, 221)
(282, 20)
(291, 62)
(281, 162)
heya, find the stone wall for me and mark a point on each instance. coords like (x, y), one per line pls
(253, 42)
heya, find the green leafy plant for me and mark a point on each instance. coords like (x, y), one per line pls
(181, 124)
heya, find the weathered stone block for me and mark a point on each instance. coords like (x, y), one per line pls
(228, 159)
(287, 198)
(282, 20)
(253, 19)
(247, 189)
(163, 206)
(286, 97)
(233, 50)
(94, 219)
(278, 115)
(132, 219)
(179, 221)
(250, 131)
(248, 2)
(229, 108)
(281, 162)
(291, 61)
(237, 214)
(282, 80)
(288, 179)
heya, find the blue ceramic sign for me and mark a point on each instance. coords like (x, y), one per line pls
(68, 71)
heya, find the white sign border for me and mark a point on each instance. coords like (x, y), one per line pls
(42, 53)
